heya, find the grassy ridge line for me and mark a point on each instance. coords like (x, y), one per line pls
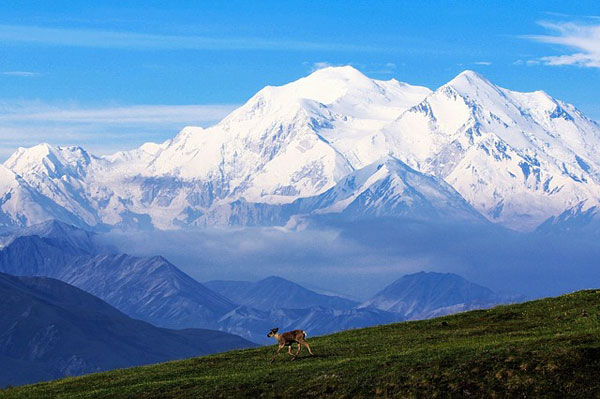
(544, 348)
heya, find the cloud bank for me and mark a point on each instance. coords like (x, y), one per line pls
(360, 258)
(584, 39)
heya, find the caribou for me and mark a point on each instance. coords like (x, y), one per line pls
(287, 339)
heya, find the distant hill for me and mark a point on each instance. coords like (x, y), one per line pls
(277, 302)
(148, 288)
(424, 295)
(49, 329)
(548, 348)
(275, 293)
(254, 324)
(156, 291)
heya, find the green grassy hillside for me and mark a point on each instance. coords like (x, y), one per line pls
(545, 348)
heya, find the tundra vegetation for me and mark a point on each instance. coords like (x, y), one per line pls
(544, 348)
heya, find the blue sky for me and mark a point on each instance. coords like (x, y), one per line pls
(113, 74)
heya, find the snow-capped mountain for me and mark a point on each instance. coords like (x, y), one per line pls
(22, 205)
(518, 158)
(333, 142)
(389, 187)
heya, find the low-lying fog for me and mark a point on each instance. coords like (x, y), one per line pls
(358, 259)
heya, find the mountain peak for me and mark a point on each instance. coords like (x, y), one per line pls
(469, 73)
(35, 153)
(346, 72)
(48, 159)
(276, 292)
(325, 85)
(427, 294)
(275, 280)
(69, 236)
(434, 280)
(467, 80)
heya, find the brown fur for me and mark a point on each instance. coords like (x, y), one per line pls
(287, 339)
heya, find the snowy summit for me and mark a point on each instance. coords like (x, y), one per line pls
(337, 142)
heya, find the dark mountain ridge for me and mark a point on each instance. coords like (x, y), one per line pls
(149, 288)
(50, 329)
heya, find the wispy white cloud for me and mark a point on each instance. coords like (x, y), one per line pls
(137, 114)
(103, 130)
(485, 63)
(584, 38)
(23, 74)
(142, 41)
(322, 64)
(315, 66)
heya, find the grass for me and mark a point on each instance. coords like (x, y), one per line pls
(544, 348)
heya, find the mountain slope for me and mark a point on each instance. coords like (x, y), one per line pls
(389, 187)
(578, 220)
(49, 329)
(151, 289)
(23, 205)
(518, 158)
(425, 295)
(545, 348)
